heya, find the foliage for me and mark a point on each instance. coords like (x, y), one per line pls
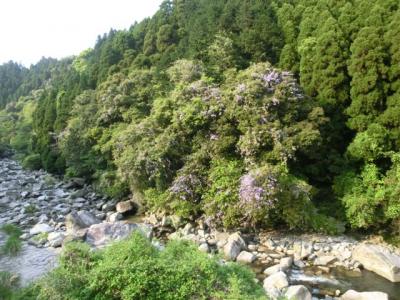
(32, 162)
(13, 243)
(135, 269)
(6, 285)
(163, 109)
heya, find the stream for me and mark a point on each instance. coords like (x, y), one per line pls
(26, 198)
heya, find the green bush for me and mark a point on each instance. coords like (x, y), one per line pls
(134, 269)
(32, 162)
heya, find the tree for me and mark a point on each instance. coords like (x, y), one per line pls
(369, 78)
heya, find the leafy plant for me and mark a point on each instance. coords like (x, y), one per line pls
(178, 272)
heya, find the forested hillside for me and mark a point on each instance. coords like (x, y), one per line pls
(250, 113)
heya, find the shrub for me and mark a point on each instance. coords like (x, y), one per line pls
(32, 162)
(220, 200)
(134, 269)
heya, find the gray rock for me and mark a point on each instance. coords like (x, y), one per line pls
(272, 270)
(236, 237)
(55, 239)
(274, 284)
(99, 235)
(353, 295)
(43, 218)
(115, 217)
(379, 260)
(82, 219)
(246, 257)
(298, 292)
(285, 263)
(302, 250)
(40, 228)
(107, 207)
(324, 260)
(204, 248)
(232, 250)
(125, 207)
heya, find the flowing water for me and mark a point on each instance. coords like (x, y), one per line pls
(322, 284)
(30, 264)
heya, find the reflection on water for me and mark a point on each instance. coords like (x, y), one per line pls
(369, 282)
(133, 219)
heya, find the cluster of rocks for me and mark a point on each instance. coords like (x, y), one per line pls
(292, 266)
(49, 210)
(52, 212)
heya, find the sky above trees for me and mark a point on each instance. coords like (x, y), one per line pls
(32, 29)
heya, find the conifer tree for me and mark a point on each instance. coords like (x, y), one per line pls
(369, 74)
(330, 68)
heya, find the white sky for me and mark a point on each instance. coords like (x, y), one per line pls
(30, 29)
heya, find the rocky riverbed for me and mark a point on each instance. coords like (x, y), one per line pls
(302, 267)
(51, 212)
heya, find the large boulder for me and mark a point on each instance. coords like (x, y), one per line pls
(234, 246)
(80, 220)
(99, 235)
(272, 270)
(379, 260)
(232, 250)
(275, 283)
(126, 207)
(298, 292)
(353, 295)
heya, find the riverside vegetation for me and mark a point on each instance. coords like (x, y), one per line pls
(249, 114)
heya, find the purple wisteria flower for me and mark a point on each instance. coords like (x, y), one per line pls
(185, 186)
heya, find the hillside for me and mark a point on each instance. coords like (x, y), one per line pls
(255, 114)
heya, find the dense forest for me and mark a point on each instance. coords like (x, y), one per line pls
(256, 113)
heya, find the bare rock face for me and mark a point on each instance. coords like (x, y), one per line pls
(99, 235)
(353, 295)
(379, 260)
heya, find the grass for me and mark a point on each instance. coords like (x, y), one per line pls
(7, 283)
(13, 244)
(11, 229)
(41, 238)
(31, 209)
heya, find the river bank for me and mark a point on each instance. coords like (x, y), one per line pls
(51, 212)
